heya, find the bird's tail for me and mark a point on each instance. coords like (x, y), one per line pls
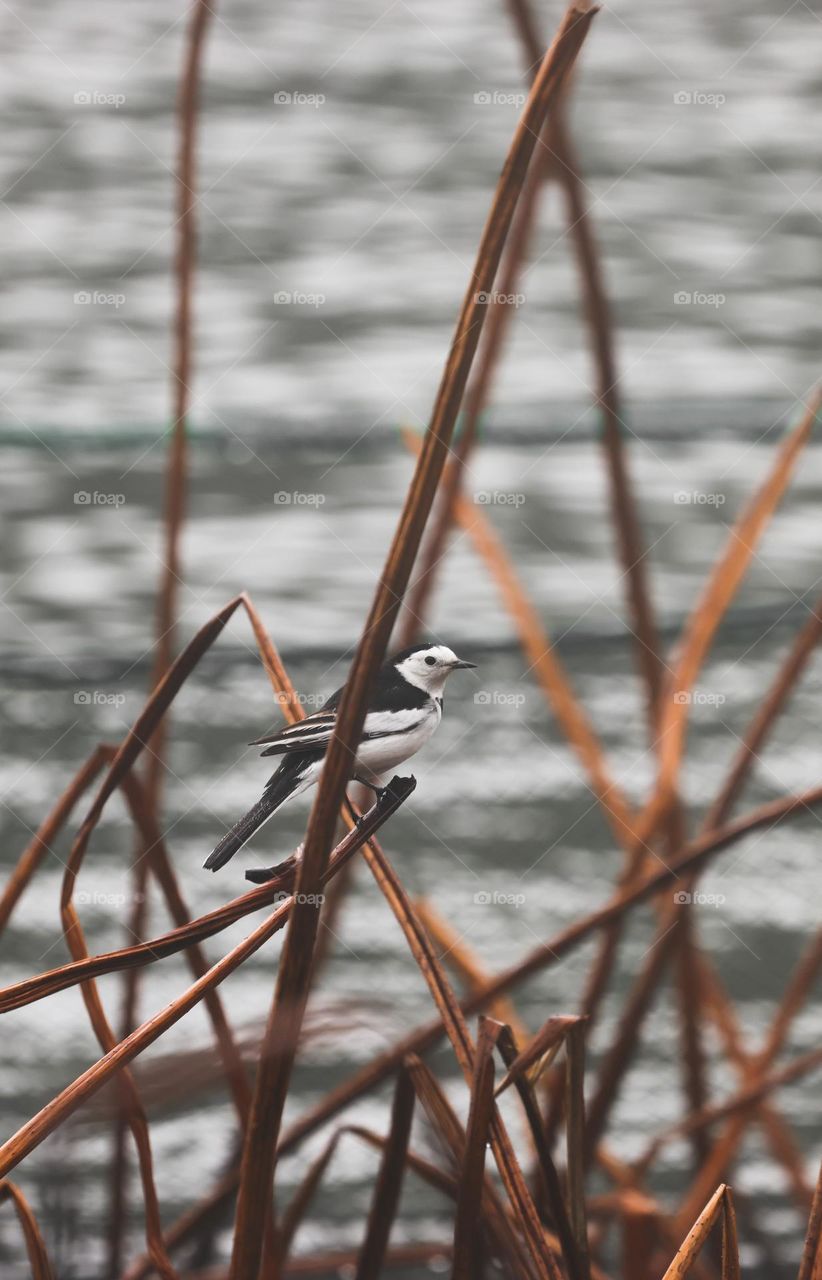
(277, 791)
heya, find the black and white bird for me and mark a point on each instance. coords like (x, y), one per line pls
(404, 710)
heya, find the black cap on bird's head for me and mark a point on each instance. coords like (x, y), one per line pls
(428, 665)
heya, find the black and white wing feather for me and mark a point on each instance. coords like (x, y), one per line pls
(396, 707)
(314, 732)
(311, 734)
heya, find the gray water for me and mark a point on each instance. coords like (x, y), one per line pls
(373, 201)
(366, 209)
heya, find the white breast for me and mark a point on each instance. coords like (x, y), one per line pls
(410, 730)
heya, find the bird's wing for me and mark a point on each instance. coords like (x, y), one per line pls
(384, 724)
(311, 733)
(314, 732)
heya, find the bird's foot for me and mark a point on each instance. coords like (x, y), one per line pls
(397, 789)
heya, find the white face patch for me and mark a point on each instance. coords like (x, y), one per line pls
(424, 674)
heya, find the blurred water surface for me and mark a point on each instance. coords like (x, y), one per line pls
(347, 158)
(364, 210)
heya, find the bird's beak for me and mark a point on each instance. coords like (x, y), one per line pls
(459, 665)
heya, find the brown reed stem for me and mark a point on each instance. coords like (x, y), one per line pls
(41, 1268)
(477, 395)
(496, 1225)
(549, 953)
(131, 1104)
(467, 1242)
(710, 608)
(546, 667)
(459, 1035)
(810, 1252)
(422, 1038)
(765, 717)
(564, 168)
(121, 1054)
(186, 227)
(743, 1100)
(118, 1174)
(288, 1004)
(389, 1182)
(697, 637)
(517, 1064)
(32, 856)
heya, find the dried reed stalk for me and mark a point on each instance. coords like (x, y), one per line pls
(297, 1209)
(467, 1242)
(521, 1074)
(389, 1182)
(713, 603)
(808, 1267)
(476, 399)
(132, 1107)
(186, 228)
(562, 165)
(720, 1204)
(545, 665)
(455, 952)
(288, 1004)
(549, 953)
(743, 1100)
(39, 1262)
(32, 856)
(697, 636)
(766, 715)
(90, 1081)
(496, 1225)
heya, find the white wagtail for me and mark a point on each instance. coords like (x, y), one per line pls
(404, 710)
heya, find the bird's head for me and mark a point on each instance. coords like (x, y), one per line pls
(428, 666)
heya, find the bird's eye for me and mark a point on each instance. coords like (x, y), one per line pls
(430, 661)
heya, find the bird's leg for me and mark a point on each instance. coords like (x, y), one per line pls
(386, 795)
(379, 792)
